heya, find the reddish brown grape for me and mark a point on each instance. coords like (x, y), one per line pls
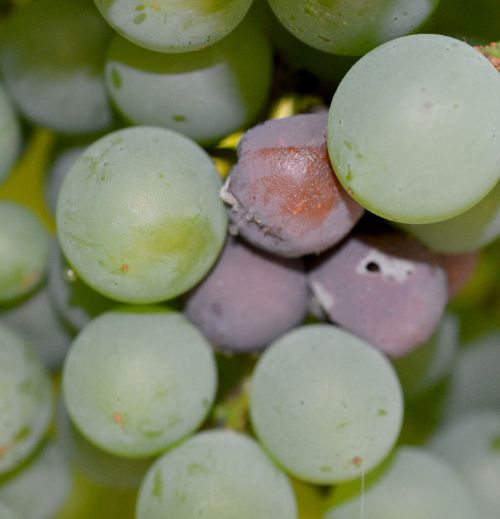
(283, 194)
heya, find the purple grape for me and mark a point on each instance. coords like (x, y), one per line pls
(386, 288)
(283, 194)
(249, 298)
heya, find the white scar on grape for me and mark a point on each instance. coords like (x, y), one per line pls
(325, 299)
(390, 268)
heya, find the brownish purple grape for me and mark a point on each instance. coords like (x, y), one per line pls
(460, 269)
(386, 288)
(249, 298)
(283, 195)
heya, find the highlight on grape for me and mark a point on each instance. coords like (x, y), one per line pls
(249, 259)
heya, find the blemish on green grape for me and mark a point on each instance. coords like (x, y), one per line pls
(140, 18)
(22, 434)
(325, 468)
(157, 484)
(495, 444)
(180, 118)
(116, 79)
(381, 412)
(140, 8)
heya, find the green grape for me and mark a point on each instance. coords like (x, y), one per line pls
(205, 94)
(474, 380)
(25, 400)
(430, 362)
(7, 512)
(173, 25)
(216, 475)
(39, 489)
(10, 135)
(409, 124)
(466, 232)
(99, 466)
(351, 27)
(24, 245)
(37, 321)
(471, 445)
(139, 216)
(135, 382)
(327, 405)
(51, 60)
(411, 484)
(75, 301)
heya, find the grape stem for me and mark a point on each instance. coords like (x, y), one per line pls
(232, 412)
(492, 52)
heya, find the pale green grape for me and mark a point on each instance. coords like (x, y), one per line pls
(57, 172)
(173, 25)
(430, 362)
(39, 489)
(51, 59)
(412, 484)
(351, 27)
(205, 94)
(134, 383)
(10, 135)
(466, 232)
(25, 400)
(414, 131)
(76, 302)
(139, 216)
(24, 246)
(216, 475)
(99, 466)
(37, 321)
(474, 380)
(471, 445)
(7, 512)
(325, 404)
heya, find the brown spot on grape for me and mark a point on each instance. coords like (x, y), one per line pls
(3, 451)
(124, 268)
(301, 183)
(357, 460)
(119, 420)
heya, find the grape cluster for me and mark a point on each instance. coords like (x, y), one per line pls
(248, 297)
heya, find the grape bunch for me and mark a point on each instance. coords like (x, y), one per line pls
(249, 259)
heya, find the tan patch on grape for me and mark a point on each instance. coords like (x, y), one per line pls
(28, 279)
(119, 420)
(300, 182)
(3, 451)
(124, 268)
(357, 460)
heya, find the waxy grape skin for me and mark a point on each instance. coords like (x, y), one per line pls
(386, 288)
(249, 298)
(283, 195)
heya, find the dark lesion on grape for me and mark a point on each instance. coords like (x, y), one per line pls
(372, 267)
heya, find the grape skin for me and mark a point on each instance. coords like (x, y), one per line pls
(407, 150)
(24, 247)
(134, 383)
(351, 28)
(10, 135)
(173, 26)
(245, 313)
(53, 70)
(413, 483)
(216, 475)
(325, 404)
(139, 217)
(205, 94)
(25, 400)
